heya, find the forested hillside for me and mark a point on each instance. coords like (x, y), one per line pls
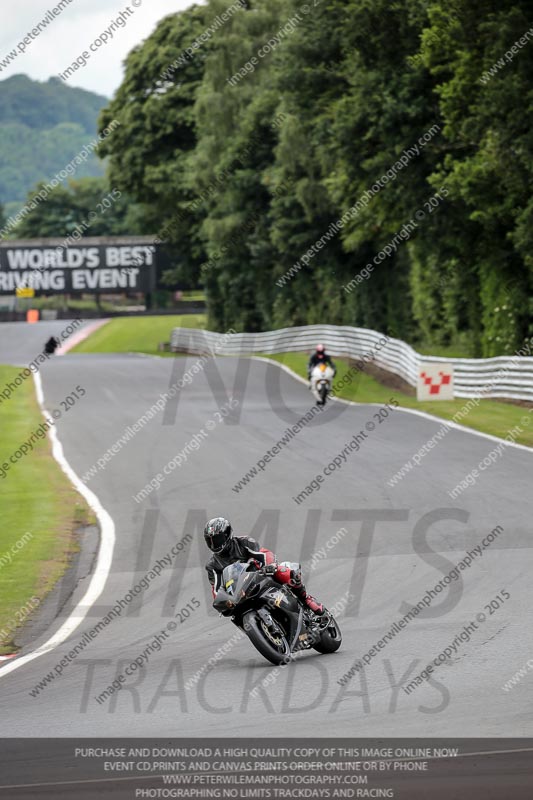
(42, 127)
(361, 162)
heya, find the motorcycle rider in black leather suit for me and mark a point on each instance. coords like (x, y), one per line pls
(227, 549)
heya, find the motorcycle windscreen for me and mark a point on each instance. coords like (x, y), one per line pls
(233, 578)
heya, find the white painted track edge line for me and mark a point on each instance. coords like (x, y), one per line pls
(104, 558)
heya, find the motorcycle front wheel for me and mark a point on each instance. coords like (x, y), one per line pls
(271, 644)
(330, 638)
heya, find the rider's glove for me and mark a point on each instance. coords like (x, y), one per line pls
(269, 569)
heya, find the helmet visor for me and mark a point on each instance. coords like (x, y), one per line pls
(217, 541)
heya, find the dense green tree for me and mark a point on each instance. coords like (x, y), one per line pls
(309, 82)
(486, 101)
(394, 136)
(238, 131)
(148, 152)
(88, 207)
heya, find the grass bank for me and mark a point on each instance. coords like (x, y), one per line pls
(40, 511)
(137, 334)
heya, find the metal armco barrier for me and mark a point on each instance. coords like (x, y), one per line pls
(503, 376)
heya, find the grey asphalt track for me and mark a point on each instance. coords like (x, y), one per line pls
(382, 567)
(21, 343)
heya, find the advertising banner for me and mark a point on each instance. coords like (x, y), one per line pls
(93, 265)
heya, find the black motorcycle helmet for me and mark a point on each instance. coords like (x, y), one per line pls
(217, 534)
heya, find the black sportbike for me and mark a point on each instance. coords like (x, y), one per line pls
(51, 345)
(273, 619)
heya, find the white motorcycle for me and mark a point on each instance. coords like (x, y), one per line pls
(321, 379)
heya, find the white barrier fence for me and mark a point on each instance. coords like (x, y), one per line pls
(503, 376)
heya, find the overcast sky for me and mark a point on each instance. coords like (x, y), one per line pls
(69, 34)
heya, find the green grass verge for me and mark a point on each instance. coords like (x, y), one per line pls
(40, 509)
(137, 334)
(490, 416)
(194, 295)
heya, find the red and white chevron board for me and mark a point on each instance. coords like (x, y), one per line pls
(435, 382)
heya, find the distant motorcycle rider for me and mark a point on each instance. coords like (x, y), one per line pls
(227, 549)
(51, 345)
(320, 357)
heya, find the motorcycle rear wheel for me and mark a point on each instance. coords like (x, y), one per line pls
(277, 653)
